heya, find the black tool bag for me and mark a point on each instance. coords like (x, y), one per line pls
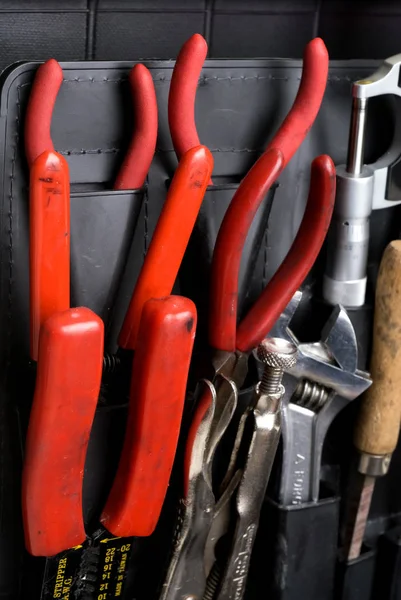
(239, 106)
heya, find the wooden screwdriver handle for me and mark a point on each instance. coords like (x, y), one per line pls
(379, 418)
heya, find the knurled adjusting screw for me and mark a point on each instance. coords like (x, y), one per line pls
(278, 355)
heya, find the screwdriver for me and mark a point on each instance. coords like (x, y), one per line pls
(377, 428)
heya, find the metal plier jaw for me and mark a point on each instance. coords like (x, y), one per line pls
(324, 380)
(189, 569)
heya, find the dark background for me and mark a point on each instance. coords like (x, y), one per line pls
(134, 29)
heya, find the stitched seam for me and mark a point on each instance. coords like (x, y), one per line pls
(10, 231)
(203, 79)
(89, 151)
(79, 152)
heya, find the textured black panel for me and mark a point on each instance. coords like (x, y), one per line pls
(39, 36)
(130, 36)
(260, 34)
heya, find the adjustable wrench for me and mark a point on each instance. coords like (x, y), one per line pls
(323, 381)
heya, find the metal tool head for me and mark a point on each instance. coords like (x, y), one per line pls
(277, 353)
(384, 81)
(321, 383)
(332, 361)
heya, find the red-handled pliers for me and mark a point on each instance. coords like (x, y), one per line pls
(50, 250)
(233, 343)
(138, 158)
(53, 523)
(224, 333)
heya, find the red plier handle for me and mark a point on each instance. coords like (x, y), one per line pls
(158, 385)
(170, 238)
(223, 333)
(184, 82)
(42, 100)
(182, 94)
(67, 388)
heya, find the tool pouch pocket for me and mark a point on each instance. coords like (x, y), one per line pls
(296, 550)
(195, 269)
(354, 579)
(102, 228)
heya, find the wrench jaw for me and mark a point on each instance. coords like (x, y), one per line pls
(323, 381)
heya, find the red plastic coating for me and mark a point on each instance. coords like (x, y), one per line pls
(49, 241)
(302, 115)
(158, 385)
(253, 188)
(42, 99)
(229, 245)
(181, 99)
(299, 260)
(67, 388)
(170, 238)
(140, 153)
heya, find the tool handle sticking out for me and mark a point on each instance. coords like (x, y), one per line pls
(303, 113)
(379, 418)
(140, 153)
(182, 94)
(39, 112)
(170, 238)
(49, 241)
(247, 199)
(158, 384)
(42, 100)
(68, 380)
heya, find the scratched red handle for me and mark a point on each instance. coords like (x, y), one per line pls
(67, 388)
(170, 238)
(299, 260)
(140, 153)
(42, 98)
(158, 385)
(182, 94)
(303, 113)
(49, 241)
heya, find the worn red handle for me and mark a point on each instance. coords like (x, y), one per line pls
(67, 388)
(158, 385)
(229, 245)
(42, 98)
(182, 94)
(49, 241)
(299, 260)
(303, 113)
(170, 238)
(253, 188)
(141, 150)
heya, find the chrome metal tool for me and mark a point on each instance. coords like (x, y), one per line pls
(361, 188)
(323, 381)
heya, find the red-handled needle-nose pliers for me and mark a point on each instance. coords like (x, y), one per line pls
(232, 343)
